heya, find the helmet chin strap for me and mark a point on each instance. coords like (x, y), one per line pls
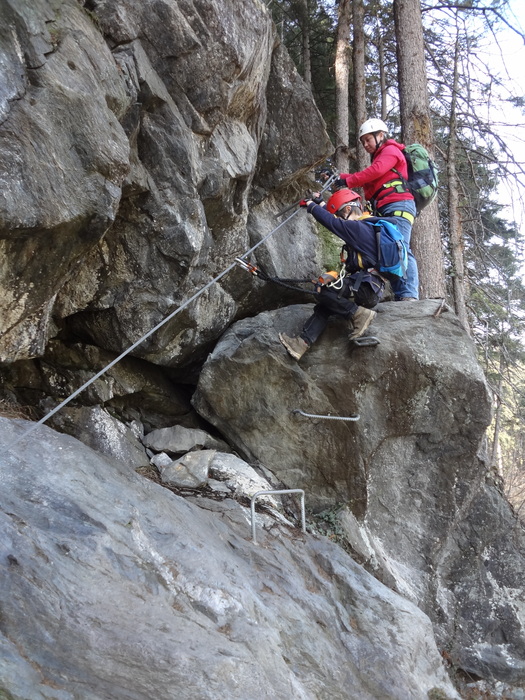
(379, 143)
(348, 211)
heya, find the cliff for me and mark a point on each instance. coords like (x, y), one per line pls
(144, 145)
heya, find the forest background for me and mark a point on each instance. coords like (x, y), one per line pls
(468, 107)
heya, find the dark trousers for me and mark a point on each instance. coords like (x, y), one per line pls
(332, 303)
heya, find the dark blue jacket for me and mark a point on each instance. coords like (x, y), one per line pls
(359, 237)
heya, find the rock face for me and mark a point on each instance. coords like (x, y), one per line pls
(115, 587)
(144, 145)
(63, 158)
(133, 134)
(411, 469)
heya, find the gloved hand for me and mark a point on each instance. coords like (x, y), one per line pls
(318, 199)
(340, 182)
(305, 202)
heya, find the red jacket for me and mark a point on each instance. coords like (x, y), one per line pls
(387, 157)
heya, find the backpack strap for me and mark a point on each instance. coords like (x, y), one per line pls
(357, 254)
(377, 229)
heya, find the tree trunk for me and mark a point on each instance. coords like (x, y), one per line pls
(342, 72)
(382, 71)
(495, 461)
(303, 17)
(455, 225)
(358, 14)
(417, 127)
(307, 63)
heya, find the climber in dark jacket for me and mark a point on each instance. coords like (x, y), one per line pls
(359, 287)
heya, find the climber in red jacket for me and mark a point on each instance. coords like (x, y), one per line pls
(384, 189)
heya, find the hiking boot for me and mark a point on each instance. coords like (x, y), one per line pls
(296, 346)
(362, 318)
(407, 299)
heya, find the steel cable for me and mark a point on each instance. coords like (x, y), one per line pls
(197, 294)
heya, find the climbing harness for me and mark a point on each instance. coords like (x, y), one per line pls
(335, 280)
(135, 345)
(332, 278)
(404, 215)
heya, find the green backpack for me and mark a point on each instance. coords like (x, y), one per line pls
(422, 180)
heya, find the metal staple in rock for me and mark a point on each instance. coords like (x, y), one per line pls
(313, 415)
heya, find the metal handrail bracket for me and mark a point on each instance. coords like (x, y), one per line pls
(313, 415)
(276, 493)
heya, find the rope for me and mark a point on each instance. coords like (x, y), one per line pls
(197, 294)
(282, 283)
(287, 283)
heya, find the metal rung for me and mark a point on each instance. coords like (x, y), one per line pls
(262, 493)
(313, 415)
(365, 340)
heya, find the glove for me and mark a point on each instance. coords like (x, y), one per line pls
(341, 182)
(318, 199)
(304, 202)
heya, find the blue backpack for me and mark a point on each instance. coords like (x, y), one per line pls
(392, 249)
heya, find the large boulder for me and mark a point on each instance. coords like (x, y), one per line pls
(422, 506)
(114, 587)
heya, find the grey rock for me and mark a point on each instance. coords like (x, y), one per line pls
(64, 156)
(289, 113)
(219, 486)
(161, 460)
(357, 536)
(189, 471)
(241, 478)
(177, 439)
(137, 429)
(111, 582)
(97, 428)
(138, 392)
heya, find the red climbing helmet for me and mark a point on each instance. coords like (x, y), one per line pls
(340, 198)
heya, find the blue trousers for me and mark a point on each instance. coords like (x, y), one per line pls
(410, 286)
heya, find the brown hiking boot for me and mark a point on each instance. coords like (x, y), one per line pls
(296, 346)
(362, 318)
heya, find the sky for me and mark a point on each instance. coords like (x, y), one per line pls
(508, 58)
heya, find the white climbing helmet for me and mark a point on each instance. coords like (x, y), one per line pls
(371, 126)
